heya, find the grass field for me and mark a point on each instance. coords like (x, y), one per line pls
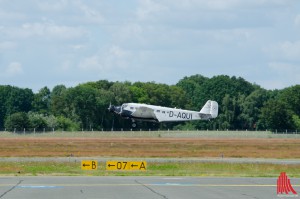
(153, 169)
(150, 147)
(152, 144)
(171, 134)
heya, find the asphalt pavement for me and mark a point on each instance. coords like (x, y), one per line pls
(140, 187)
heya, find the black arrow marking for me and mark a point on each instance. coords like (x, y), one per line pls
(134, 165)
(86, 165)
(111, 165)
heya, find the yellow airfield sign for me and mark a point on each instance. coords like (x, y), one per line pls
(89, 165)
(126, 165)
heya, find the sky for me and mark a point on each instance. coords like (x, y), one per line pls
(53, 42)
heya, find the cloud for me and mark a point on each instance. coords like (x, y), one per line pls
(66, 65)
(91, 15)
(286, 50)
(297, 20)
(286, 68)
(13, 69)
(213, 14)
(81, 40)
(209, 5)
(7, 45)
(52, 6)
(288, 72)
(291, 50)
(76, 47)
(279, 75)
(74, 11)
(148, 8)
(45, 30)
(170, 24)
(11, 16)
(130, 31)
(221, 5)
(113, 58)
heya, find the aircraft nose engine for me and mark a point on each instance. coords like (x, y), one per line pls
(115, 109)
(111, 108)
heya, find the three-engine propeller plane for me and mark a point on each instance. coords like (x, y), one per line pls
(152, 113)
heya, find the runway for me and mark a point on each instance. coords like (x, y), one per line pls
(139, 187)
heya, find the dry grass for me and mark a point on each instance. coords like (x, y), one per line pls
(150, 147)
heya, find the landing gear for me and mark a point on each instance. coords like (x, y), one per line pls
(133, 123)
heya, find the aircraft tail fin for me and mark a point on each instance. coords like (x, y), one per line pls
(210, 109)
(214, 108)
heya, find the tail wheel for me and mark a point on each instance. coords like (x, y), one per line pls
(133, 125)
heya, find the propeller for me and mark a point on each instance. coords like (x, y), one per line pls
(111, 108)
(115, 109)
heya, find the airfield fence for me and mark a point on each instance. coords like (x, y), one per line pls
(156, 134)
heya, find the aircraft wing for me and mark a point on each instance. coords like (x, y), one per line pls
(144, 112)
(159, 117)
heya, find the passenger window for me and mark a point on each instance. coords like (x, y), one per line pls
(158, 111)
(131, 108)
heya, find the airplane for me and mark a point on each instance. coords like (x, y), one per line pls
(152, 113)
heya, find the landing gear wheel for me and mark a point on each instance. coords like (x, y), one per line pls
(133, 125)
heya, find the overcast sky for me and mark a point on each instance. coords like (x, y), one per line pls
(51, 42)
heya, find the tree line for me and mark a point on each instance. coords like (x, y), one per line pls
(242, 105)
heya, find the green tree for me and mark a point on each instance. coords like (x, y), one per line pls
(37, 121)
(66, 124)
(227, 115)
(217, 87)
(296, 120)
(51, 121)
(4, 92)
(275, 115)
(12, 100)
(41, 102)
(121, 92)
(251, 108)
(291, 96)
(17, 121)
(82, 106)
(178, 98)
(242, 105)
(58, 100)
(101, 84)
(18, 100)
(139, 94)
(192, 87)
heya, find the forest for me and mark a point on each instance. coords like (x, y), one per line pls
(242, 105)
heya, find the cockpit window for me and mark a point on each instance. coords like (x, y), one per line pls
(131, 108)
